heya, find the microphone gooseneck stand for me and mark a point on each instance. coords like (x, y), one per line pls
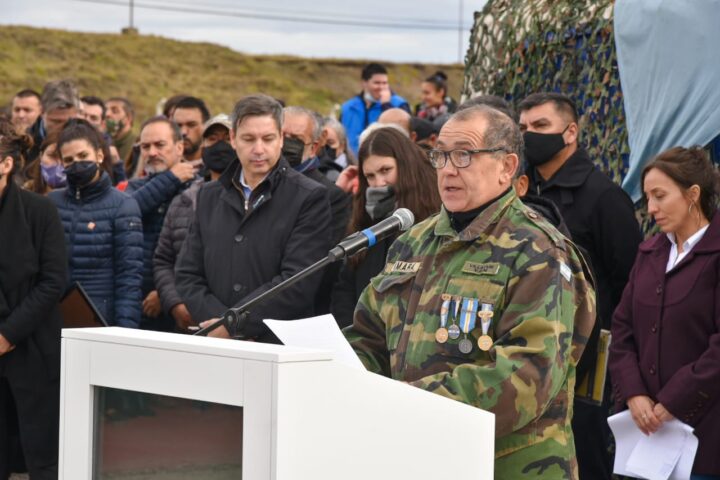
(235, 319)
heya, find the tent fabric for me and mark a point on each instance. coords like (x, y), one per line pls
(670, 76)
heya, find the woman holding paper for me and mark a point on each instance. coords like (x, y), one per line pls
(665, 350)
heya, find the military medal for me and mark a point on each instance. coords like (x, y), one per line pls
(467, 322)
(485, 342)
(442, 334)
(454, 330)
(465, 346)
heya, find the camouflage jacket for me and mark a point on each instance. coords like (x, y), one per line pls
(515, 264)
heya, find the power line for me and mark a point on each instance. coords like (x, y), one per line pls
(305, 12)
(279, 17)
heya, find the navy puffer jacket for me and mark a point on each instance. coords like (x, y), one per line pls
(103, 233)
(153, 194)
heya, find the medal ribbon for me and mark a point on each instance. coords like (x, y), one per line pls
(444, 310)
(469, 314)
(486, 317)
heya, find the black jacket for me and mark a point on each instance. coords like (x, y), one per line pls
(231, 254)
(172, 236)
(601, 219)
(32, 279)
(33, 271)
(340, 209)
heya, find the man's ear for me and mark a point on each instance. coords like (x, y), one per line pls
(571, 134)
(510, 165)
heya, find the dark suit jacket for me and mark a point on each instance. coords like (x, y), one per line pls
(666, 338)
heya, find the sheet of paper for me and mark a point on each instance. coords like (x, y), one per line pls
(638, 456)
(626, 436)
(321, 333)
(655, 456)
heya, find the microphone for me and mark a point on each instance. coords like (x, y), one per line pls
(399, 221)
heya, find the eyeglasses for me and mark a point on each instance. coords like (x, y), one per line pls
(459, 158)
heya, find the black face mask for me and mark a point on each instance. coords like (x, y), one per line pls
(540, 148)
(329, 152)
(292, 150)
(380, 202)
(218, 156)
(80, 174)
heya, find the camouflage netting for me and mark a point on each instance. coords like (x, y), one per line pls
(519, 47)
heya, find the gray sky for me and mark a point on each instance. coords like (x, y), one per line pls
(274, 36)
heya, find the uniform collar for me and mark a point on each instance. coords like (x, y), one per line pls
(477, 227)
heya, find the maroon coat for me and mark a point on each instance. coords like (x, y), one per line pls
(666, 338)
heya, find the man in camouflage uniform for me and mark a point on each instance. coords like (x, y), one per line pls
(490, 273)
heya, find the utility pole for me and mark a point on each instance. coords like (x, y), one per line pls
(132, 5)
(130, 29)
(460, 33)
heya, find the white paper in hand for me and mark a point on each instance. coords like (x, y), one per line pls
(666, 454)
(319, 333)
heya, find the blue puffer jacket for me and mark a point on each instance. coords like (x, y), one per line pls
(356, 115)
(153, 194)
(103, 233)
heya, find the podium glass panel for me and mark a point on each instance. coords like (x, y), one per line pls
(141, 436)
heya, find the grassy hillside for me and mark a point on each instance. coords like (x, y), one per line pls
(148, 68)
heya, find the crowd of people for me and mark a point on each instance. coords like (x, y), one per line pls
(522, 254)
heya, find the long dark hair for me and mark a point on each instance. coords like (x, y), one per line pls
(416, 186)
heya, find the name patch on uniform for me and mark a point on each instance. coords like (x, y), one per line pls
(481, 268)
(402, 267)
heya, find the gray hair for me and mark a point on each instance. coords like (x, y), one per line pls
(501, 130)
(60, 94)
(258, 105)
(339, 130)
(316, 128)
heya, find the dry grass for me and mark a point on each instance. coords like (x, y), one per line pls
(149, 68)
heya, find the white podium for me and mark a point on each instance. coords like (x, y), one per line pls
(304, 416)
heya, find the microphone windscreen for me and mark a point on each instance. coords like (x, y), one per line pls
(406, 218)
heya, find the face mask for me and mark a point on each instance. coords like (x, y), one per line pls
(540, 148)
(80, 174)
(114, 126)
(380, 201)
(218, 156)
(292, 150)
(54, 176)
(368, 98)
(330, 152)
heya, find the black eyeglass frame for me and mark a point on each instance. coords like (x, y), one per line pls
(451, 153)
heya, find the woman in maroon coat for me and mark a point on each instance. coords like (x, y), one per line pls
(665, 351)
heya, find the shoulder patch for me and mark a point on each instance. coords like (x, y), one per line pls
(565, 271)
(543, 224)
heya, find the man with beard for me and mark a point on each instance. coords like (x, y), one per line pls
(119, 117)
(190, 114)
(217, 155)
(166, 175)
